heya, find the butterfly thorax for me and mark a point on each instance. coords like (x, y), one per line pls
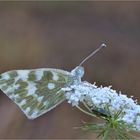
(77, 74)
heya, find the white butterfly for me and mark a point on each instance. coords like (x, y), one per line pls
(37, 91)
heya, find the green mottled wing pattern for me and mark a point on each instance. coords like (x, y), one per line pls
(35, 91)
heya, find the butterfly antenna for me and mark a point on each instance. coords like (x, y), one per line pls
(93, 53)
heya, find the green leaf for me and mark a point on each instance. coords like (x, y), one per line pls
(90, 126)
(106, 134)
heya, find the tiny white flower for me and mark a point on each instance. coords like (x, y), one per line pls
(105, 97)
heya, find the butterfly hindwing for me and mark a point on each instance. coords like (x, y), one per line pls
(35, 91)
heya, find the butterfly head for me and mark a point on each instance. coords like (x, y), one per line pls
(78, 72)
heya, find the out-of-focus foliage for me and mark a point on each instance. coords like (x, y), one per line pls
(59, 35)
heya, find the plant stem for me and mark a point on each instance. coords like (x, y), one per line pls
(87, 107)
(88, 113)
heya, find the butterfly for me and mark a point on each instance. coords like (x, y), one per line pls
(37, 91)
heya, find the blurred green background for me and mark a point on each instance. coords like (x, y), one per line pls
(59, 35)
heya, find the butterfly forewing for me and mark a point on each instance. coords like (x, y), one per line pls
(35, 91)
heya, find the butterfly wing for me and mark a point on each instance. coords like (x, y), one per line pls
(35, 91)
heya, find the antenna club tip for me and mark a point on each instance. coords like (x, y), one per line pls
(103, 45)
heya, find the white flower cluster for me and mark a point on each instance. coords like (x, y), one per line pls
(107, 100)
